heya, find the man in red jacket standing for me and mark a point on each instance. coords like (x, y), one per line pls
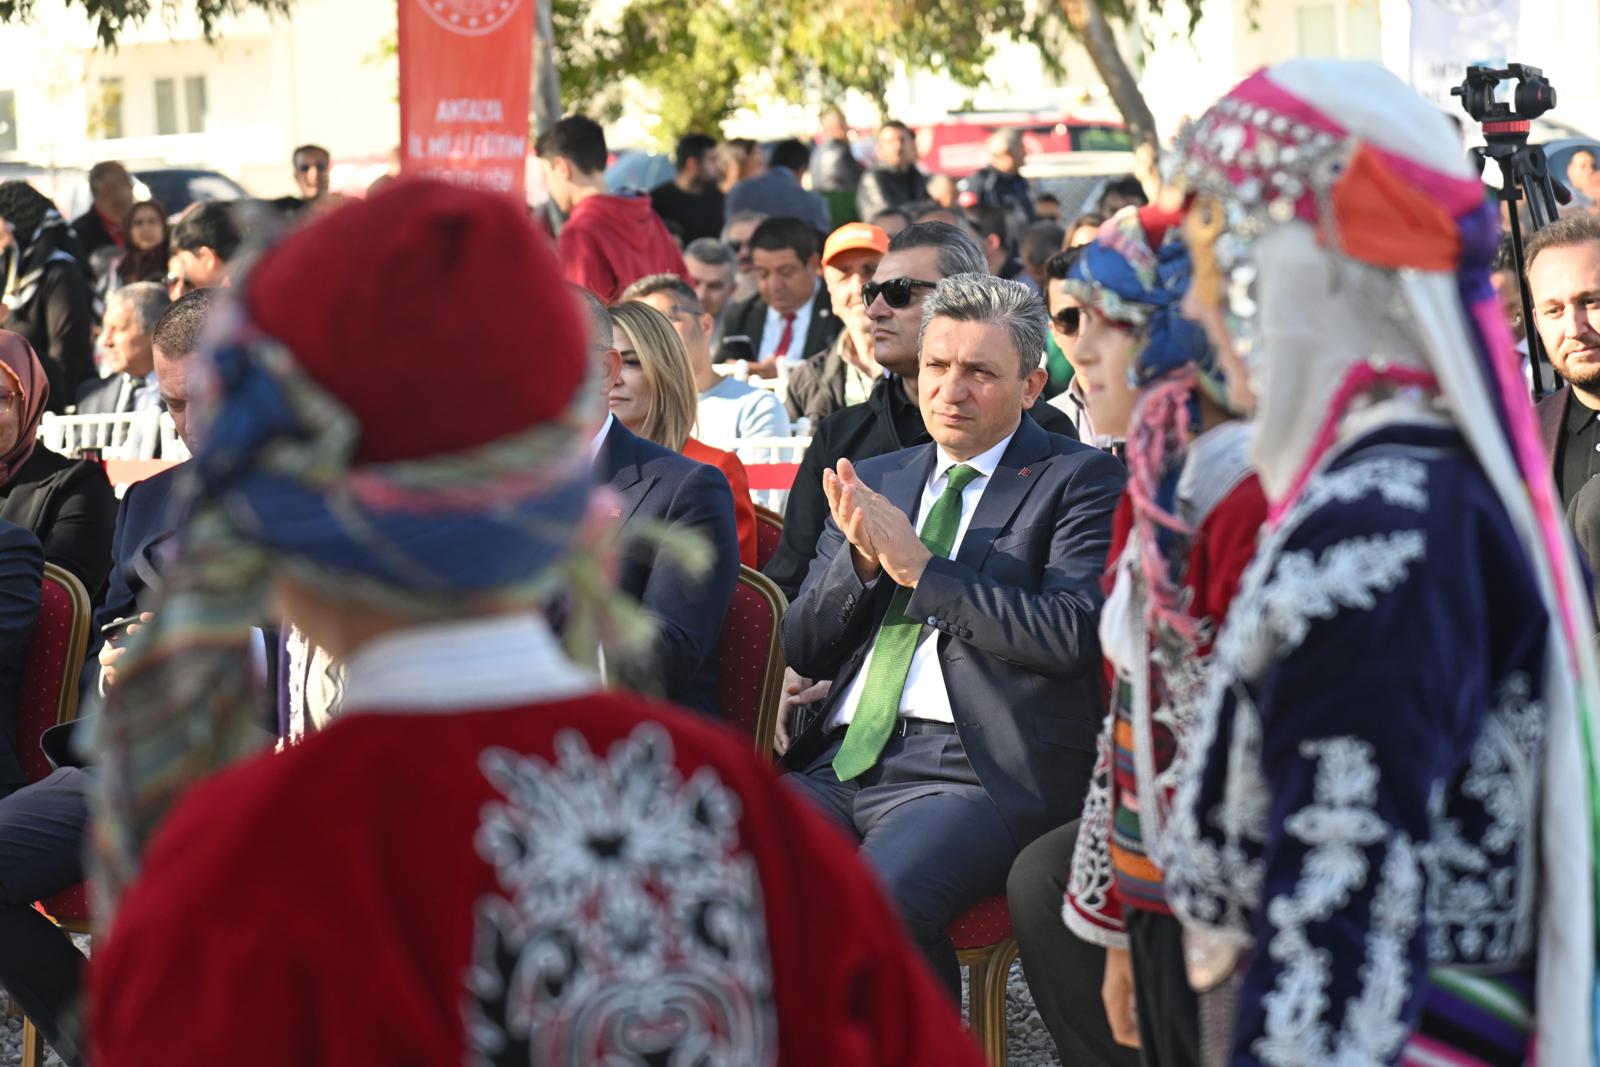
(608, 242)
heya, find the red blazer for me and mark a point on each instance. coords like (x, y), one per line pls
(744, 508)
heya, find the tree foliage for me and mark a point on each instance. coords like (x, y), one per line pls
(708, 58)
(111, 17)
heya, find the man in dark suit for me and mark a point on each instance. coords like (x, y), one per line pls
(656, 485)
(1563, 263)
(128, 359)
(790, 317)
(890, 419)
(101, 226)
(966, 691)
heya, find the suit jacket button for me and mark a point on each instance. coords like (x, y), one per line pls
(933, 620)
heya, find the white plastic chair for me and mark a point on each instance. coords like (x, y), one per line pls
(761, 450)
(172, 446)
(129, 435)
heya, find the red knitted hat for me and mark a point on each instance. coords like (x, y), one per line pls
(436, 314)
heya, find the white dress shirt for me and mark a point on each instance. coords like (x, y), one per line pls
(925, 695)
(772, 332)
(600, 438)
(488, 661)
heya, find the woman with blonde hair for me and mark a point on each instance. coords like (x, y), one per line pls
(655, 398)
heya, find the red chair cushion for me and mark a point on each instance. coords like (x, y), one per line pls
(69, 905)
(987, 924)
(41, 678)
(768, 534)
(746, 638)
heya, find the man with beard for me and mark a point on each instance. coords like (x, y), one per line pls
(1564, 274)
(691, 201)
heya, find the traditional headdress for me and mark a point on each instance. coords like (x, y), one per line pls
(395, 408)
(1136, 271)
(1354, 196)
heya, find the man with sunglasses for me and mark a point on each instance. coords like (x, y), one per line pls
(919, 257)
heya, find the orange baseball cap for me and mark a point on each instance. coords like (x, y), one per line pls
(852, 236)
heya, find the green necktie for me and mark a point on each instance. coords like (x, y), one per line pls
(879, 706)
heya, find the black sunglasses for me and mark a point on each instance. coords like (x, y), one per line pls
(896, 292)
(1067, 320)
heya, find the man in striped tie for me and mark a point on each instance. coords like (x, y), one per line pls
(954, 602)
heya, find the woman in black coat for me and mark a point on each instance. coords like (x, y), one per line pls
(47, 288)
(66, 503)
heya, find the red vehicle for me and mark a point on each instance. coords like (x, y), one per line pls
(959, 146)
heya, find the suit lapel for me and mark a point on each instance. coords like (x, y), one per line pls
(903, 486)
(617, 465)
(1028, 451)
(821, 320)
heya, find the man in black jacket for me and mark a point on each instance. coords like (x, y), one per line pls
(101, 226)
(790, 317)
(918, 258)
(895, 180)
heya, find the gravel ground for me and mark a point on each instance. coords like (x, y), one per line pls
(1030, 1044)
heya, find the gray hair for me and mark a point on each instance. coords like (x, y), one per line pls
(742, 216)
(710, 251)
(980, 297)
(600, 330)
(958, 253)
(148, 300)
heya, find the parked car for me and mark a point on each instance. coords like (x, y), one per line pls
(178, 187)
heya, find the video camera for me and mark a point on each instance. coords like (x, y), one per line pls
(1524, 171)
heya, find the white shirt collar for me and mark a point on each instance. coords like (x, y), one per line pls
(490, 661)
(600, 438)
(985, 463)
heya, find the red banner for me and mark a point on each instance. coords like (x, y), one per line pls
(464, 70)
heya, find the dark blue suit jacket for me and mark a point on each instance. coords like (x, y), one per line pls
(21, 571)
(145, 524)
(1016, 613)
(655, 483)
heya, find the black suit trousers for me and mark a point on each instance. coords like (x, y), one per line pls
(42, 828)
(928, 829)
(1064, 972)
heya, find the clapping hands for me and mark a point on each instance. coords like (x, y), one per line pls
(881, 536)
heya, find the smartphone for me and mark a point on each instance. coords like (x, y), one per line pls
(116, 629)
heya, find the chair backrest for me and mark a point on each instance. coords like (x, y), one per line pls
(55, 660)
(769, 531)
(752, 658)
(771, 464)
(128, 435)
(172, 446)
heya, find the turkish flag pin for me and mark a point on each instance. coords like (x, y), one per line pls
(616, 513)
(1025, 471)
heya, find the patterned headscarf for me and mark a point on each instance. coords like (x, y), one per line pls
(1136, 271)
(23, 374)
(1405, 240)
(316, 460)
(40, 237)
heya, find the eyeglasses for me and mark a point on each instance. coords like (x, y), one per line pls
(8, 400)
(1068, 320)
(896, 292)
(304, 168)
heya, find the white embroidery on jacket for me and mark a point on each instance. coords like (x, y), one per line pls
(1279, 596)
(1091, 876)
(1338, 828)
(1480, 906)
(631, 925)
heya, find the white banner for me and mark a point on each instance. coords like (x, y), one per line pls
(1447, 36)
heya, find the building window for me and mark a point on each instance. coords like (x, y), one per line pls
(166, 107)
(105, 116)
(8, 120)
(1316, 31)
(1363, 32)
(194, 99)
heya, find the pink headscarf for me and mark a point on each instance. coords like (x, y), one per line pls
(25, 375)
